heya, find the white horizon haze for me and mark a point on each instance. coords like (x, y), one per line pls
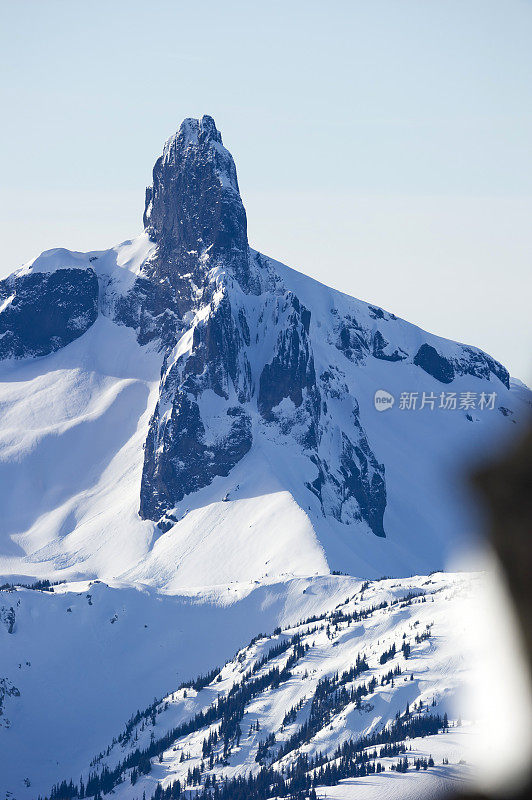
(381, 148)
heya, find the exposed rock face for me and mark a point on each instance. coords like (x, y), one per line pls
(291, 370)
(479, 364)
(7, 616)
(357, 341)
(217, 359)
(234, 303)
(194, 211)
(382, 349)
(195, 215)
(428, 358)
(363, 482)
(352, 340)
(42, 312)
(186, 448)
(179, 459)
(151, 309)
(471, 362)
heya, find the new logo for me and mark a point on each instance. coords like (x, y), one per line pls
(383, 400)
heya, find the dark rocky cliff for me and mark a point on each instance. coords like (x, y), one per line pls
(46, 311)
(194, 211)
(195, 215)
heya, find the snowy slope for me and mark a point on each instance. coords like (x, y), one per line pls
(338, 630)
(87, 670)
(71, 439)
(74, 426)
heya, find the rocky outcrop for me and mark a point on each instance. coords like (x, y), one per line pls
(291, 371)
(194, 211)
(362, 484)
(383, 350)
(481, 365)
(351, 482)
(42, 312)
(7, 689)
(195, 216)
(469, 362)
(180, 458)
(188, 445)
(352, 340)
(7, 616)
(217, 359)
(428, 358)
(151, 309)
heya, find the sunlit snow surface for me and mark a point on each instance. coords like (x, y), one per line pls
(87, 656)
(73, 425)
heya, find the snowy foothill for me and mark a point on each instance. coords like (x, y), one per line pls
(102, 653)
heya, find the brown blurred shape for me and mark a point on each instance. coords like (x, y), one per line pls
(505, 489)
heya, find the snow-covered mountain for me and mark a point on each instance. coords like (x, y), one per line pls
(181, 410)
(339, 659)
(193, 439)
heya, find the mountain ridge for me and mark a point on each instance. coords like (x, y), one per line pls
(334, 638)
(244, 362)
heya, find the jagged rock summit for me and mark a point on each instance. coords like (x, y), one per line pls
(195, 216)
(193, 211)
(194, 412)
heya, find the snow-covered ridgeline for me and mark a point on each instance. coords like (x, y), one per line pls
(341, 677)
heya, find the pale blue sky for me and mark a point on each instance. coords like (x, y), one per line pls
(383, 146)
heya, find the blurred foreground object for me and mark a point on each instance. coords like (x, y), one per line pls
(505, 488)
